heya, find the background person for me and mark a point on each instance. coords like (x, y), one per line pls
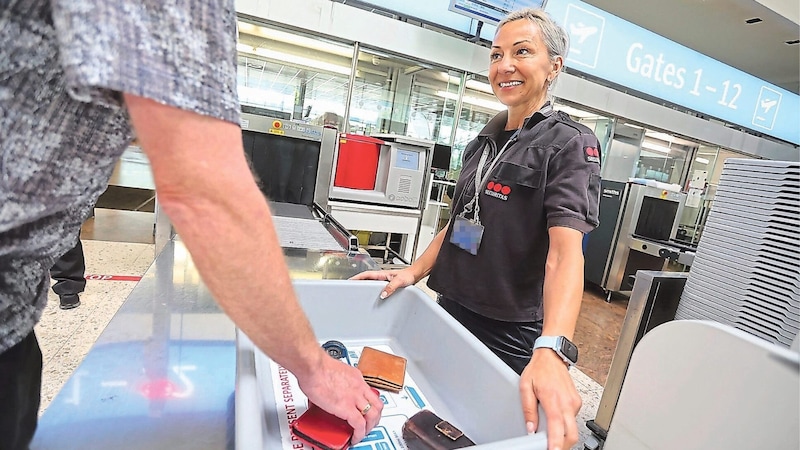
(509, 264)
(77, 77)
(69, 272)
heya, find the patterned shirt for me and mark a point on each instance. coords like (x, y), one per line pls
(63, 67)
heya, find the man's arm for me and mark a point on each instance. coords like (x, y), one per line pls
(206, 188)
(546, 378)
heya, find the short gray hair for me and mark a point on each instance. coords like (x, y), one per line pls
(554, 36)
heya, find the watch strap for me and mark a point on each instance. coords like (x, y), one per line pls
(553, 343)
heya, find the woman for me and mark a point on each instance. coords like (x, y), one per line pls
(509, 264)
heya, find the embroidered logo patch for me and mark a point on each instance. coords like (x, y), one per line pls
(497, 190)
(592, 154)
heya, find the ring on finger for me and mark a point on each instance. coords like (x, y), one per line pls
(366, 409)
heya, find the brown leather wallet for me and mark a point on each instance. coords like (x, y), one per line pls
(382, 370)
(425, 431)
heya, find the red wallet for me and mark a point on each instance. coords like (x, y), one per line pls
(322, 430)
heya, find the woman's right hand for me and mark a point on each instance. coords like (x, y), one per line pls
(397, 279)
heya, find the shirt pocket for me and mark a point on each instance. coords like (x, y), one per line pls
(511, 173)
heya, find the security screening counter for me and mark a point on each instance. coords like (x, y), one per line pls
(163, 372)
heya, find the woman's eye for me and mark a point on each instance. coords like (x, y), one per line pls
(494, 56)
(523, 51)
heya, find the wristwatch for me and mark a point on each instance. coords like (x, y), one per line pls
(561, 345)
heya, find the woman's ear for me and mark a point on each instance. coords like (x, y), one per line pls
(558, 64)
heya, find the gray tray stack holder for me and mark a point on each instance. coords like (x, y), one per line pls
(746, 272)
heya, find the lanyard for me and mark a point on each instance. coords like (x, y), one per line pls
(481, 176)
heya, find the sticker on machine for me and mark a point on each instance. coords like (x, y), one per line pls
(291, 403)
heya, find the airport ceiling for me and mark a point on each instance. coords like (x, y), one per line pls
(719, 29)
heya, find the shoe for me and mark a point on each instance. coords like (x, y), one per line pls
(70, 301)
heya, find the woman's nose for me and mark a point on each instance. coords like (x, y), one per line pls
(506, 65)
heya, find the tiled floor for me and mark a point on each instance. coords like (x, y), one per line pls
(121, 243)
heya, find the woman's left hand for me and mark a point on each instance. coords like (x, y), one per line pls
(397, 279)
(546, 380)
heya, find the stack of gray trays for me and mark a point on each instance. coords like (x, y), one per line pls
(746, 272)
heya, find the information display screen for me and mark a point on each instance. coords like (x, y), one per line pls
(407, 160)
(491, 11)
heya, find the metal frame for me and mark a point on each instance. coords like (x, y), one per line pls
(654, 301)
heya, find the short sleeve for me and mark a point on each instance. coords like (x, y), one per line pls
(180, 53)
(572, 196)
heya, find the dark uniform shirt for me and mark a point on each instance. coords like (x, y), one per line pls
(548, 176)
(63, 67)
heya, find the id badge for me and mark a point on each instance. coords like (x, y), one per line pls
(466, 235)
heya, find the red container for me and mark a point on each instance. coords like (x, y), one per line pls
(357, 165)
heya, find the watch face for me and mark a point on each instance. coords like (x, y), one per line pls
(569, 350)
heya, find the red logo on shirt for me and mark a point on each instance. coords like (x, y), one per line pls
(497, 190)
(592, 154)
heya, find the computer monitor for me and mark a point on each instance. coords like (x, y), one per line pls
(441, 157)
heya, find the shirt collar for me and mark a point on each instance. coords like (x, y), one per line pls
(498, 122)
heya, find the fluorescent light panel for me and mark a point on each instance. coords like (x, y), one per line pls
(655, 147)
(488, 104)
(281, 57)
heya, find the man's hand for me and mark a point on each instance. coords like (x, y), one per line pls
(340, 390)
(397, 279)
(546, 380)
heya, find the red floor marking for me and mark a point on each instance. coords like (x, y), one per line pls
(113, 277)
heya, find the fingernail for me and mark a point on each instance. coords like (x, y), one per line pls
(531, 427)
(384, 294)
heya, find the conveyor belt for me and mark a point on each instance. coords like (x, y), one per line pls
(304, 233)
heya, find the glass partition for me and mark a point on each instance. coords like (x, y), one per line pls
(663, 157)
(290, 75)
(701, 187)
(397, 95)
(478, 106)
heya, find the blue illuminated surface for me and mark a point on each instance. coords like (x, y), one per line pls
(610, 48)
(407, 160)
(605, 46)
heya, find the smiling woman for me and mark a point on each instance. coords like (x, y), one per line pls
(509, 264)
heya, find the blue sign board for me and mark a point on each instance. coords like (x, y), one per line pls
(610, 48)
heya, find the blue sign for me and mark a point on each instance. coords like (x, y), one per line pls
(610, 48)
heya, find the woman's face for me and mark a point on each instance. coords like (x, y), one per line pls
(520, 66)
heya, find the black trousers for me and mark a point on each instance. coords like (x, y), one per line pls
(20, 391)
(68, 271)
(511, 341)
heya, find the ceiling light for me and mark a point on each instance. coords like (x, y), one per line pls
(655, 147)
(701, 160)
(286, 58)
(475, 101)
(574, 111)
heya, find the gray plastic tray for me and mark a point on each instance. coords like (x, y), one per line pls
(464, 382)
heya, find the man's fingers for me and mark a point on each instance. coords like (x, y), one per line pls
(359, 424)
(370, 412)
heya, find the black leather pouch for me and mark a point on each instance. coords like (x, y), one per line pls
(425, 431)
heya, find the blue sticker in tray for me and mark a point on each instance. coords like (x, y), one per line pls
(415, 397)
